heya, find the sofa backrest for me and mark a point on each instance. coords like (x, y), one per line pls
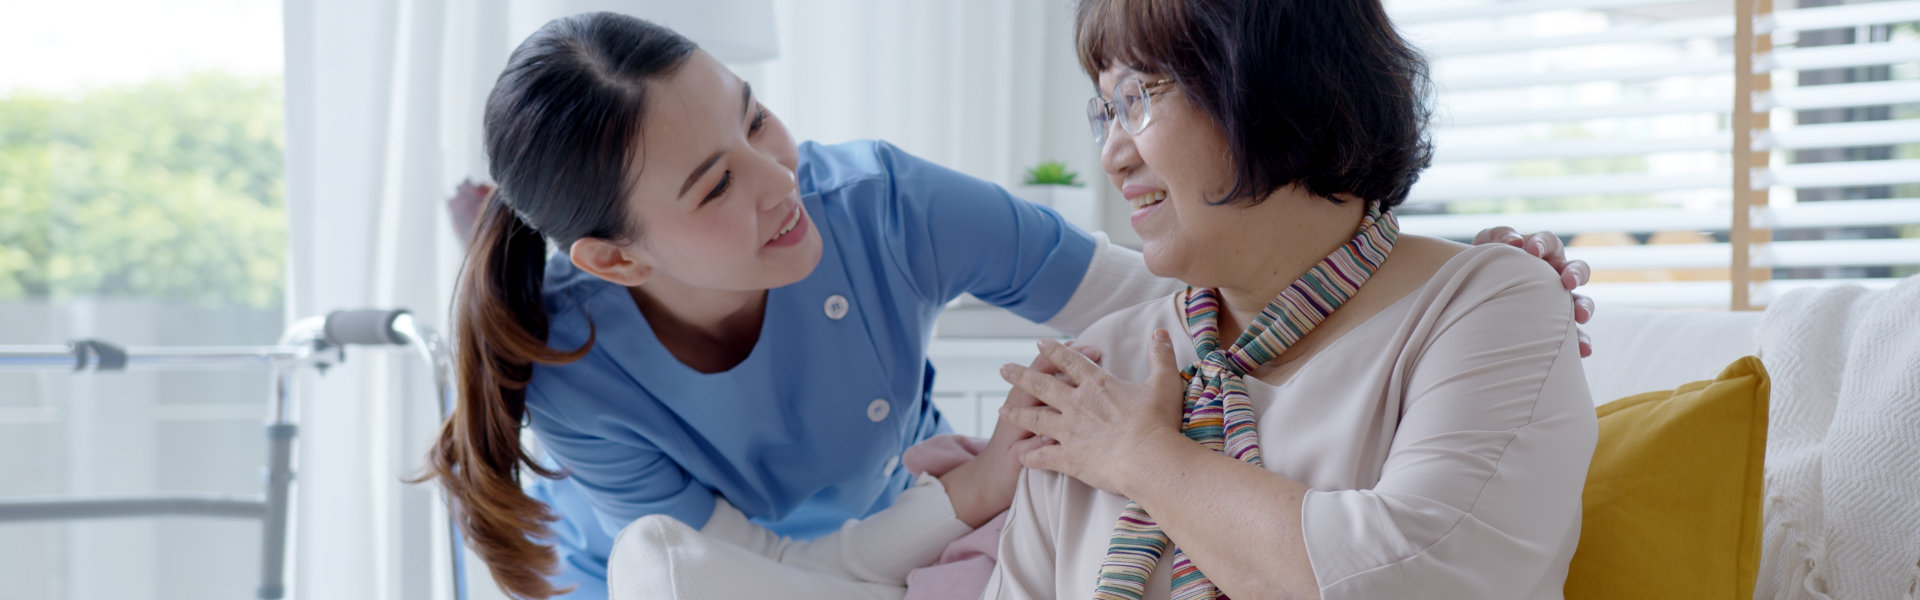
(1642, 350)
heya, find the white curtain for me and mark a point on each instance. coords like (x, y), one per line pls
(987, 87)
(383, 103)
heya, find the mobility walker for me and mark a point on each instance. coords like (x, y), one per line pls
(314, 342)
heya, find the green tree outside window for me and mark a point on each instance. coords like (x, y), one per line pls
(169, 190)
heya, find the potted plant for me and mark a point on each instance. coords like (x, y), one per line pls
(1052, 184)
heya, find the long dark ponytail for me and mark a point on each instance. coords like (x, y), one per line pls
(561, 125)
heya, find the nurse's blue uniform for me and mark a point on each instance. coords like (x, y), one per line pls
(808, 430)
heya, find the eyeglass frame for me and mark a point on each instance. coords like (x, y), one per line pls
(1106, 108)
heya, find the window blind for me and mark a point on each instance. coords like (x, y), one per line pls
(1615, 123)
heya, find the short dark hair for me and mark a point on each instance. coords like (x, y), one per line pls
(1324, 93)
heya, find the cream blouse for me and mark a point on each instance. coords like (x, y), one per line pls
(1446, 441)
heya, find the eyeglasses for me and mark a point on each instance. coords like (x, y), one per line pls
(1135, 100)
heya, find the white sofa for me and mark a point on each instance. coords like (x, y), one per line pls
(1640, 350)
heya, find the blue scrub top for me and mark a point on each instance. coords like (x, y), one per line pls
(807, 431)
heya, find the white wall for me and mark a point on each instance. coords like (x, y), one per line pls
(987, 87)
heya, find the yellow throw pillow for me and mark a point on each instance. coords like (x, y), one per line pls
(1672, 505)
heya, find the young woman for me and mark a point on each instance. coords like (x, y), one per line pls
(1341, 410)
(734, 334)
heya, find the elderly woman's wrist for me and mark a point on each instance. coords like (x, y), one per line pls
(1155, 460)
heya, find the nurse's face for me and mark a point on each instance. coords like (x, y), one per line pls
(1166, 173)
(715, 199)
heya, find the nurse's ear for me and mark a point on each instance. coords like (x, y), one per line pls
(611, 262)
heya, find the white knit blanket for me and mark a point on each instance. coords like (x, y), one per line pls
(1842, 506)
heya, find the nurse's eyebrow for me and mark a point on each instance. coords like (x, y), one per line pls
(746, 102)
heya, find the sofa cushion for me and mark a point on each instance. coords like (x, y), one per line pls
(1672, 503)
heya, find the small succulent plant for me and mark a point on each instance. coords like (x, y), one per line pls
(1052, 172)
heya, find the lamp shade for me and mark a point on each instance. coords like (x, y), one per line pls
(733, 31)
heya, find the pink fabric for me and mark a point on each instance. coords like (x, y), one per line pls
(963, 569)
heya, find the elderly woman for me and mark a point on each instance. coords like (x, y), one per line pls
(1341, 411)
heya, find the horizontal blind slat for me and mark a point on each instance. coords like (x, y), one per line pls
(1845, 15)
(1428, 192)
(1708, 294)
(1579, 148)
(1841, 174)
(1676, 68)
(1844, 253)
(1851, 213)
(1861, 133)
(1412, 16)
(1834, 57)
(1816, 253)
(1567, 223)
(1716, 27)
(1471, 118)
(1839, 95)
(1674, 256)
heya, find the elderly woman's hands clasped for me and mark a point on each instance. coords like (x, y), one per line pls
(1096, 423)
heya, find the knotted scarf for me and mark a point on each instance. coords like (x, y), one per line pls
(1217, 412)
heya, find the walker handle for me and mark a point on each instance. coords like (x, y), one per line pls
(368, 326)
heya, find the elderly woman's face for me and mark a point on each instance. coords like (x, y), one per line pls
(1167, 172)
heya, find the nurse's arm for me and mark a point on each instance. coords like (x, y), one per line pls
(881, 548)
(1117, 277)
(637, 492)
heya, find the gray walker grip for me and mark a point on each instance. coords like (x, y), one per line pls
(364, 326)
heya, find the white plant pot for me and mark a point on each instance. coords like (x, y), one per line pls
(1076, 204)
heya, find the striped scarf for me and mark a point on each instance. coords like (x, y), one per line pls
(1218, 414)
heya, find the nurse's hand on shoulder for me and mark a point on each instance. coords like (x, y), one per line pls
(983, 487)
(1100, 424)
(1573, 273)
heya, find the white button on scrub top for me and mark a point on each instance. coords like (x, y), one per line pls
(836, 307)
(878, 409)
(893, 462)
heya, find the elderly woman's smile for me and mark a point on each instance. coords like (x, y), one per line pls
(1143, 199)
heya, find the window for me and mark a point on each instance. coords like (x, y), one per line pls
(141, 203)
(1614, 124)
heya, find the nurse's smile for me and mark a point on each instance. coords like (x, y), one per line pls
(793, 230)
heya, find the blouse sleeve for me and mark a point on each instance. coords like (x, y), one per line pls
(1480, 493)
(1028, 555)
